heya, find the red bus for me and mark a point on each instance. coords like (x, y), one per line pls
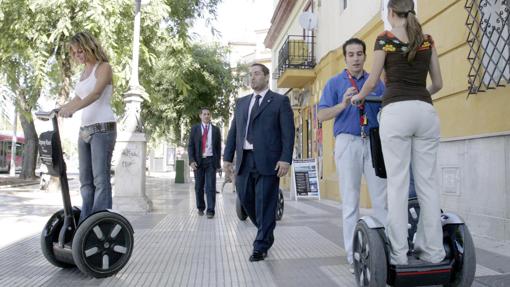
(5, 151)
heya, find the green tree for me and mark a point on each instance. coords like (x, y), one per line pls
(23, 64)
(34, 52)
(185, 80)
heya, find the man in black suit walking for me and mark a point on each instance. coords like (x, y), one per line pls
(262, 136)
(204, 151)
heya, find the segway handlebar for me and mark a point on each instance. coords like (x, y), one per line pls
(45, 115)
(370, 100)
(373, 99)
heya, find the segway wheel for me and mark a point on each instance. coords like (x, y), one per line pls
(50, 233)
(103, 244)
(465, 273)
(241, 213)
(280, 205)
(370, 267)
(413, 215)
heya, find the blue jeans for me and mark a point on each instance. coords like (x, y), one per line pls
(95, 159)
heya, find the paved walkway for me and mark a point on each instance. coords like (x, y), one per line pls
(7, 181)
(176, 247)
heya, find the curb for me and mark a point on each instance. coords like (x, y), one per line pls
(19, 184)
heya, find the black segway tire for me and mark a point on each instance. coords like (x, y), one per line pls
(280, 205)
(466, 275)
(241, 213)
(103, 244)
(370, 265)
(413, 215)
(50, 233)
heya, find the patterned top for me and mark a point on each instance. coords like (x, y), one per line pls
(405, 80)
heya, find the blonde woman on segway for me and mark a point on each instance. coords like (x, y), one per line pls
(98, 128)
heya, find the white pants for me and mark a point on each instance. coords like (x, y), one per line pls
(353, 159)
(410, 135)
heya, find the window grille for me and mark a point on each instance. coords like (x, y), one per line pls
(488, 40)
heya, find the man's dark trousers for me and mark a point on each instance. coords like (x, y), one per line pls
(259, 197)
(205, 177)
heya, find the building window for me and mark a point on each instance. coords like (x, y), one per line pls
(488, 40)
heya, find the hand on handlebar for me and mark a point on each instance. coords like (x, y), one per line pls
(65, 112)
(357, 100)
(44, 115)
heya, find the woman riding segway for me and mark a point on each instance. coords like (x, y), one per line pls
(409, 132)
(95, 239)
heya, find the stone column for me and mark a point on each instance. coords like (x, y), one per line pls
(130, 150)
(131, 147)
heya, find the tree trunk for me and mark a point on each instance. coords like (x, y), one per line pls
(31, 148)
(65, 89)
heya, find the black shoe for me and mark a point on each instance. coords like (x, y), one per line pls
(257, 256)
(201, 212)
(210, 215)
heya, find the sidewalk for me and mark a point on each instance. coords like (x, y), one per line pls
(176, 247)
(13, 181)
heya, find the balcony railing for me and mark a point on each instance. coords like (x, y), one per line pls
(296, 53)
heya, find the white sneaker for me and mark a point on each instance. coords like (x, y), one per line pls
(351, 268)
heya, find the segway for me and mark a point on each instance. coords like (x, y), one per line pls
(102, 244)
(371, 252)
(242, 215)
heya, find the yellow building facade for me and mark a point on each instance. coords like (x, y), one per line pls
(474, 156)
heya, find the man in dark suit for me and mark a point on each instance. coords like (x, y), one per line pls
(204, 151)
(262, 137)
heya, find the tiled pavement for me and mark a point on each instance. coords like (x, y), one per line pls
(176, 247)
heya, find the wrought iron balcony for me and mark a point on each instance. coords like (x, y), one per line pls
(296, 53)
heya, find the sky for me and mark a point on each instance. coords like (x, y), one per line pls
(236, 20)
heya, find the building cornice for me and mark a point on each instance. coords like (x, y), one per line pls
(280, 16)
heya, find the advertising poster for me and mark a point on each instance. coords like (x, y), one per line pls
(305, 178)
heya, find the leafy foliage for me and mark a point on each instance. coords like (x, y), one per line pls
(184, 83)
(178, 76)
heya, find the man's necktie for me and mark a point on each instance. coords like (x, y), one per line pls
(254, 109)
(204, 138)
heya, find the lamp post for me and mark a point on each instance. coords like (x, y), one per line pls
(133, 98)
(131, 146)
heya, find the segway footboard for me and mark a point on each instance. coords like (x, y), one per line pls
(421, 274)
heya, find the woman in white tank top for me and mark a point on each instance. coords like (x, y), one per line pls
(98, 128)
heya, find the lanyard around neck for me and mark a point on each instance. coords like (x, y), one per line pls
(363, 120)
(351, 79)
